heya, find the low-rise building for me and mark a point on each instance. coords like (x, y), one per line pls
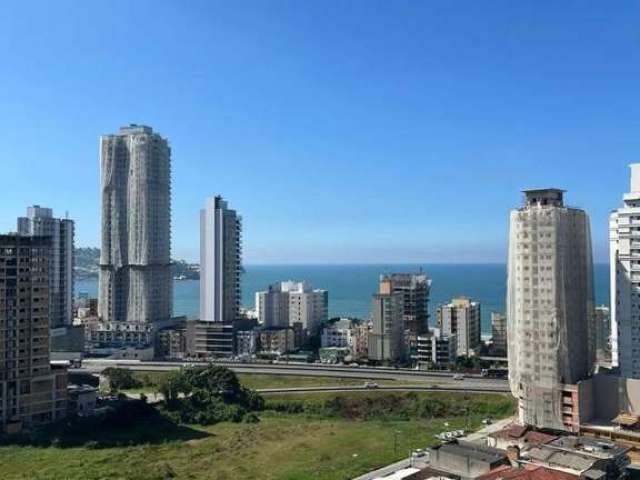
(337, 334)
(172, 343)
(210, 339)
(583, 456)
(247, 342)
(526, 472)
(436, 349)
(466, 459)
(82, 399)
(277, 341)
(518, 435)
(334, 354)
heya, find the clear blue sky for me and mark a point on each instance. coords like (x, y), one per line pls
(342, 131)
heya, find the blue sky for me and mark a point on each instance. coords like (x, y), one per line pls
(342, 131)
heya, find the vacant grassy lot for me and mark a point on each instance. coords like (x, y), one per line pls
(259, 381)
(283, 446)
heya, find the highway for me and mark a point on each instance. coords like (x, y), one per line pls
(414, 378)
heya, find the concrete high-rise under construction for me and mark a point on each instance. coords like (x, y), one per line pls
(135, 270)
(550, 307)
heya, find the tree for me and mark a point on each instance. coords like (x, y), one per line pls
(121, 379)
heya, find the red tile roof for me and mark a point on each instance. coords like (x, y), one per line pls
(512, 431)
(529, 472)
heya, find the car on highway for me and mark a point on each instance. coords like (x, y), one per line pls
(370, 385)
(458, 376)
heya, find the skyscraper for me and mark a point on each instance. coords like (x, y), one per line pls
(220, 262)
(550, 306)
(40, 222)
(135, 270)
(31, 391)
(624, 249)
(461, 317)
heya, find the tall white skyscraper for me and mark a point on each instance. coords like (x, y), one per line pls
(550, 307)
(624, 243)
(40, 222)
(220, 262)
(135, 259)
(287, 303)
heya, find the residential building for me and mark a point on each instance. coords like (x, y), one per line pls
(247, 342)
(387, 341)
(360, 337)
(549, 308)
(172, 343)
(526, 472)
(40, 222)
(624, 248)
(32, 391)
(208, 340)
(461, 317)
(286, 303)
(82, 399)
(414, 289)
(437, 349)
(277, 340)
(220, 262)
(135, 284)
(603, 335)
(498, 334)
(338, 334)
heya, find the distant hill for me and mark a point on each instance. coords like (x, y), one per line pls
(88, 265)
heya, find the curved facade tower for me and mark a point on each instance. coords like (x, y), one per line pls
(135, 266)
(550, 306)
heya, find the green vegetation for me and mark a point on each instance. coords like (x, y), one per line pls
(330, 437)
(150, 381)
(121, 379)
(208, 395)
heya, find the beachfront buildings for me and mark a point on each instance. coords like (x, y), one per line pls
(399, 316)
(549, 307)
(135, 284)
(32, 391)
(286, 304)
(41, 222)
(220, 269)
(461, 317)
(498, 334)
(220, 262)
(624, 247)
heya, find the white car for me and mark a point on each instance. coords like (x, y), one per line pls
(458, 376)
(370, 385)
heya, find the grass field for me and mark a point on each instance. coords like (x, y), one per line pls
(259, 381)
(280, 447)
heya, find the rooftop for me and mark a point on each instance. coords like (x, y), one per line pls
(527, 472)
(471, 450)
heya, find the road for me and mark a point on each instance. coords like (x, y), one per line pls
(416, 378)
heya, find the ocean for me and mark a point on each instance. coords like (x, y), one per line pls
(351, 286)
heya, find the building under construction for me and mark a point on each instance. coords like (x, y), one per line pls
(550, 308)
(135, 271)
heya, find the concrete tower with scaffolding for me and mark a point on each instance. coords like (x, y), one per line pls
(135, 283)
(550, 306)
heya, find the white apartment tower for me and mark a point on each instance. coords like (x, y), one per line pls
(220, 262)
(287, 303)
(624, 248)
(135, 259)
(40, 222)
(461, 317)
(550, 307)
